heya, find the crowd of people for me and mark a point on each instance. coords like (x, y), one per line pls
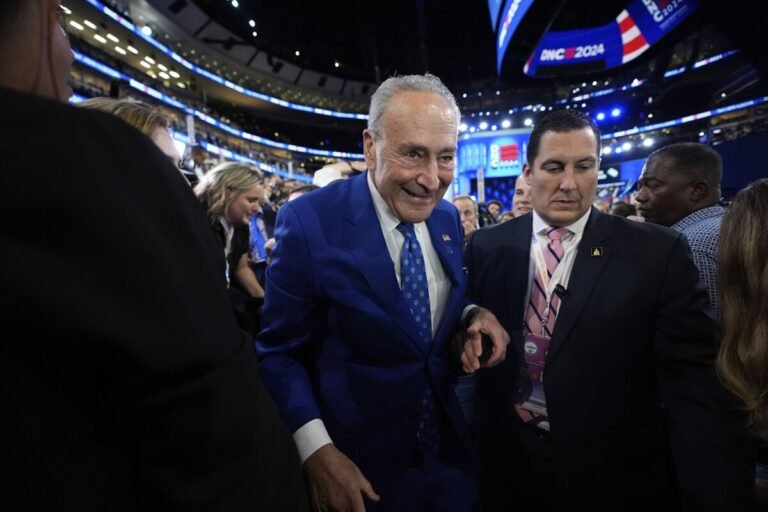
(244, 344)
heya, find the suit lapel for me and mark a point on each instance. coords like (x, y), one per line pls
(367, 246)
(586, 271)
(447, 247)
(517, 260)
(444, 235)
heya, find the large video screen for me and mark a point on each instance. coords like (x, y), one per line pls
(499, 153)
(633, 31)
(512, 15)
(494, 8)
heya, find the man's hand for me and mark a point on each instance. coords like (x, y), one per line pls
(483, 322)
(269, 246)
(335, 482)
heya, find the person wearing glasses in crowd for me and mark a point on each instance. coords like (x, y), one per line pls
(148, 120)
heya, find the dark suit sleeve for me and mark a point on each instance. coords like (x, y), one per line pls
(289, 318)
(132, 386)
(708, 441)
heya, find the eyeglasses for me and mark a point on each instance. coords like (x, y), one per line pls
(61, 18)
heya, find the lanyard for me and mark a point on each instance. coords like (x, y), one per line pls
(229, 232)
(541, 267)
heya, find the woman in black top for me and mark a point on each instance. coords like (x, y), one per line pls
(231, 193)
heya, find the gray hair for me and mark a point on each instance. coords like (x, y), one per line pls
(474, 203)
(391, 86)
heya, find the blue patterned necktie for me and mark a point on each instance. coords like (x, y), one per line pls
(413, 281)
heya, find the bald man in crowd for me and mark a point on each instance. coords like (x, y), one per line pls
(521, 202)
(680, 188)
(467, 207)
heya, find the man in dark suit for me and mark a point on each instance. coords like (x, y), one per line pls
(364, 293)
(607, 398)
(125, 382)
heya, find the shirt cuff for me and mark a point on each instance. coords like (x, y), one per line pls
(311, 437)
(466, 312)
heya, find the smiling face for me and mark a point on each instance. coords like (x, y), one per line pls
(468, 213)
(60, 54)
(563, 178)
(521, 202)
(412, 160)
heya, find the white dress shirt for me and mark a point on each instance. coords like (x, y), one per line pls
(313, 435)
(540, 228)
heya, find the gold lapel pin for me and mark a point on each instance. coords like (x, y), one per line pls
(596, 251)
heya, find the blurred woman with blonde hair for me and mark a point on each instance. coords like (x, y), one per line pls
(230, 194)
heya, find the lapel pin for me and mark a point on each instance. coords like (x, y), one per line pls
(596, 251)
(446, 238)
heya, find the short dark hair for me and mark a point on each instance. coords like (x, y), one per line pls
(559, 121)
(495, 201)
(692, 159)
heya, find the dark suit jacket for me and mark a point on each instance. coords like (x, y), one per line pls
(125, 382)
(338, 341)
(629, 372)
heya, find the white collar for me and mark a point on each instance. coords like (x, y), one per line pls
(576, 228)
(387, 219)
(226, 225)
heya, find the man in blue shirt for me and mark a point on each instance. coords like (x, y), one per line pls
(680, 188)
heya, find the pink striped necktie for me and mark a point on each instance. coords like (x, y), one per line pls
(537, 303)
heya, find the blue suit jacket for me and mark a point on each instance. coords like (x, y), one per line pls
(338, 341)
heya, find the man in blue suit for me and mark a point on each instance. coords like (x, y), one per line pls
(364, 295)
